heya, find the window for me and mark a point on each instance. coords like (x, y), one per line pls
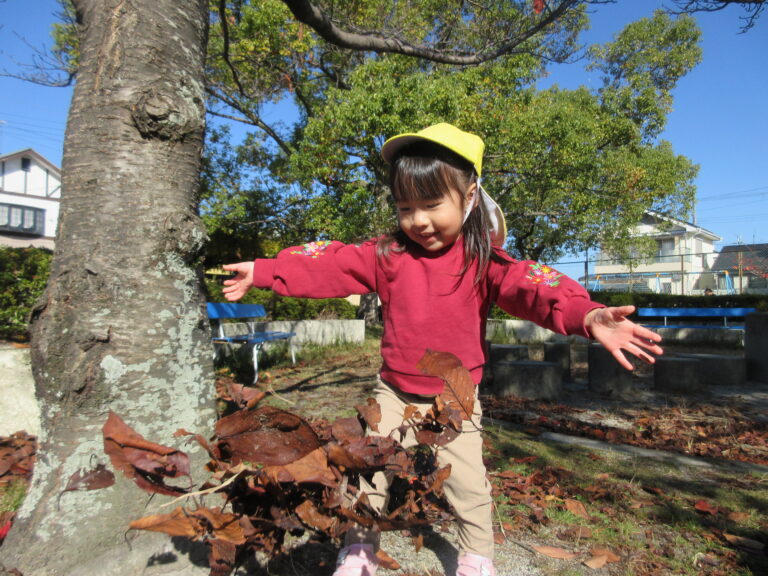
(22, 219)
(666, 247)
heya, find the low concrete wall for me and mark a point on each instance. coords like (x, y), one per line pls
(321, 332)
(18, 404)
(525, 332)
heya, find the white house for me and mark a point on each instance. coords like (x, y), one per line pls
(683, 262)
(30, 193)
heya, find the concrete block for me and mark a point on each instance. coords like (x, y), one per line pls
(756, 347)
(559, 353)
(19, 409)
(678, 375)
(527, 379)
(606, 375)
(508, 353)
(719, 369)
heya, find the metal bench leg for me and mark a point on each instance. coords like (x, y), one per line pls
(256, 348)
(293, 352)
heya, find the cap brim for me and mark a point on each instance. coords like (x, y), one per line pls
(396, 143)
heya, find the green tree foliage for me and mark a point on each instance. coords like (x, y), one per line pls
(571, 168)
(330, 182)
(23, 275)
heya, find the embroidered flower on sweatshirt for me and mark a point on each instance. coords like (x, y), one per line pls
(543, 274)
(313, 249)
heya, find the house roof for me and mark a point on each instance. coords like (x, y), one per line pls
(746, 256)
(31, 153)
(684, 226)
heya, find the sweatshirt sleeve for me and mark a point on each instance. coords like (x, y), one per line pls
(322, 269)
(541, 294)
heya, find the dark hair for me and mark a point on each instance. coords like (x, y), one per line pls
(426, 171)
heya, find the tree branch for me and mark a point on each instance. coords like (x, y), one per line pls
(304, 11)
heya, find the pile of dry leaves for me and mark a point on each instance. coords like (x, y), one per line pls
(274, 473)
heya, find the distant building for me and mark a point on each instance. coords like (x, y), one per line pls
(685, 254)
(30, 193)
(742, 269)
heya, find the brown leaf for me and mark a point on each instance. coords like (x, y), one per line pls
(554, 552)
(266, 435)
(312, 468)
(706, 507)
(221, 525)
(386, 561)
(177, 523)
(596, 562)
(746, 544)
(146, 463)
(738, 516)
(411, 411)
(576, 508)
(459, 387)
(347, 429)
(99, 477)
(609, 556)
(367, 453)
(311, 516)
(371, 413)
(221, 557)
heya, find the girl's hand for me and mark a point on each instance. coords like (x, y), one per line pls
(610, 327)
(235, 288)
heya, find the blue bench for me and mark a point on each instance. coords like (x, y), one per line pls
(218, 311)
(699, 313)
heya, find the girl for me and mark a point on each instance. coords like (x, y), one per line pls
(437, 276)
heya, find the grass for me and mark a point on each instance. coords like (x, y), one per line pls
(12, 495)
(643, 510)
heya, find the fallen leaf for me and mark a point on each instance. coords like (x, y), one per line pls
(265, 435)
(146, 463)
(459, 387)
(596, 562)
(176, 523)
(386, 561)
(610, 556)
(576, 508)
(96, 479)
(553, 552)
(370, 412)
(745, 544)
(706, 507)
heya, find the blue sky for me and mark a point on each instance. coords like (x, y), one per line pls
(720, 119)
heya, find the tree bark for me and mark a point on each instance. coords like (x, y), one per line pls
(122, 325)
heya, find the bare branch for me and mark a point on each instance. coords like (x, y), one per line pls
(753, 8)
(307, 13)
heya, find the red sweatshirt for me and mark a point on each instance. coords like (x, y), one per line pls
(425, 304)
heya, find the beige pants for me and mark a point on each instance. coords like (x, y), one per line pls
(467, 488)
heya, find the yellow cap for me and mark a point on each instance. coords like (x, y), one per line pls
(468, 146)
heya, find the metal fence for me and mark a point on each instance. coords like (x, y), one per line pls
(733, 270)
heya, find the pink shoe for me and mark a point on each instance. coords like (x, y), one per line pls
(356, 560)
(475, 565)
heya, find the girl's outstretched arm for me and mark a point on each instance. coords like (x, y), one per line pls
(610, 327)
(235, 288)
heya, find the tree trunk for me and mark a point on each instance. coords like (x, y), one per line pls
(122, 325)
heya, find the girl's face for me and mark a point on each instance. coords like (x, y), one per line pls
(436, 223)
